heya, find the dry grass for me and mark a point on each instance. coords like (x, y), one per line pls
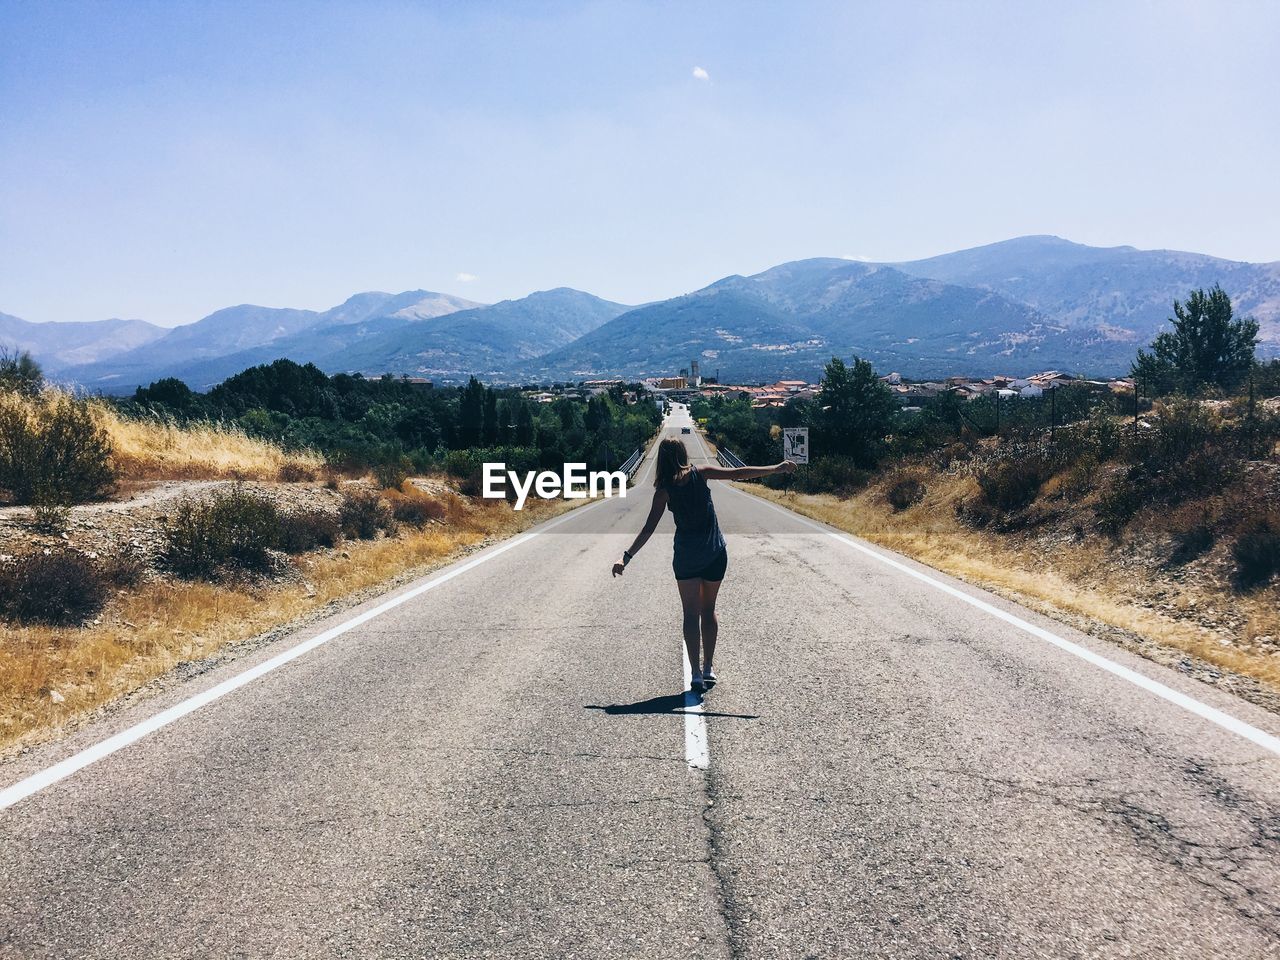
(50, 676)
(1081, 579)
(155, 449)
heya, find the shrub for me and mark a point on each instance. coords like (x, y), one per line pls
(1013, 481)
(303, 530)
(52, 447)
(363, 513)
(1080, 477)
(58, 588)
(234, 530)
(461, 463)
(1121, 498)
(19, 373)
(905, 492)
(472, 485)
(293, 472)
(122, 569)
(50, 516)
(391, 474)
(1192, 542)
(832, 474)
(414, 507)
(1257, 553)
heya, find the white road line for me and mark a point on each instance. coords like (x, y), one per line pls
(697, 432)
(696, 752)
(1212, 714)
(65, 768)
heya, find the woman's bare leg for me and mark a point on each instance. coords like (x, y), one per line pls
(691, 601)
(709, 621)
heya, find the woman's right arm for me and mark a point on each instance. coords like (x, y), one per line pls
(651, 523)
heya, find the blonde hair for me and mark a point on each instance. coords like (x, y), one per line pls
(673, 461)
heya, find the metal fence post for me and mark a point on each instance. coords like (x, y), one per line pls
(1252, 422)
(1135, 407)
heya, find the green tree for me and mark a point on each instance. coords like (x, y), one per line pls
(471, 414)
(855, 412)
(525, 434)
(170, 393)
(489, 422)
(20, 373)
(1207, 347)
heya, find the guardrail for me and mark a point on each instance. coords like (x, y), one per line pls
(728, 458)
(632, 463)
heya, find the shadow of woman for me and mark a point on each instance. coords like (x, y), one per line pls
(670, 704)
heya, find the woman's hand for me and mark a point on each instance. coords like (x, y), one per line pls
(786, 466)
(618, 568)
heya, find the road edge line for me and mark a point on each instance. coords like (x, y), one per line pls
(1218, 717)
(43, 779)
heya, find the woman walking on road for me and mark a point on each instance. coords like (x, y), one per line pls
(700, 556)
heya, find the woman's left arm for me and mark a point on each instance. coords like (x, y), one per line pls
(651, 523)
(745, 473)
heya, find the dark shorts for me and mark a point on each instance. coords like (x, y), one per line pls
(713, 571)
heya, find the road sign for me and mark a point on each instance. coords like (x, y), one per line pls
(795, 444)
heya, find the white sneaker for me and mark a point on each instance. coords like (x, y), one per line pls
(695, 682)
(709, 676)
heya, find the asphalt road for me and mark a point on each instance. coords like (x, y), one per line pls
(507, 765)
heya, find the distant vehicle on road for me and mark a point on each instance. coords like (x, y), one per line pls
(684, 429)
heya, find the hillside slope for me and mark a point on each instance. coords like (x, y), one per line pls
(491, 340)
(1123, 291)
(229, 340)
(61, 345)
(791, 319)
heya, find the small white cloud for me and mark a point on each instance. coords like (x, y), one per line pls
(466, 277)
(700, 74)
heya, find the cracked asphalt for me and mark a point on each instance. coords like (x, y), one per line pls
(496, 769)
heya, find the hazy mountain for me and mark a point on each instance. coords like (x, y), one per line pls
(788, 321)
(223, 332)
(490, 340)
(1015, 307)
(411, 305)
(1124, 293)
(60, 345)
(229, 340)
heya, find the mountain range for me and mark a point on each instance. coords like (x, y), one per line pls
(1013, 307)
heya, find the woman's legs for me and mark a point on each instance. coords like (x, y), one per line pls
(691, 601)
(709, 621)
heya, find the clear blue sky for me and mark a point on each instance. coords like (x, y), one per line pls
(161, 160)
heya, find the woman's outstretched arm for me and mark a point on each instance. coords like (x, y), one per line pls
(745, 473)
(651, 523)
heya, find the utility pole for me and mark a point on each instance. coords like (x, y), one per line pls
(1053, 414)
(997, 413)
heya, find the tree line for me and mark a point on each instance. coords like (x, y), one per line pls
(362, 422)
